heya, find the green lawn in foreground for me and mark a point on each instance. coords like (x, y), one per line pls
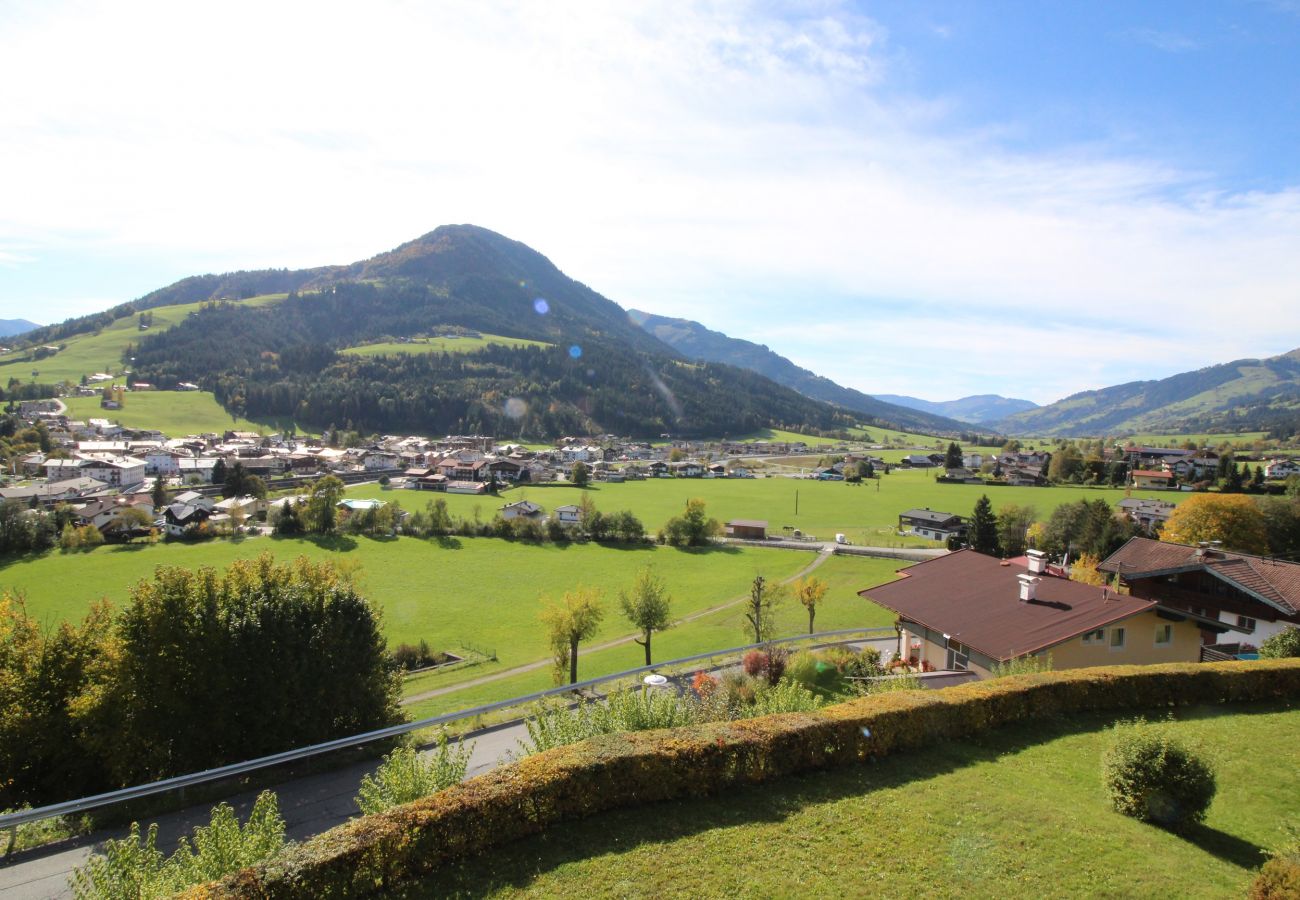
(174, 413)
(465, 591)
(87, 354)
(861, 512)
(440, 345)
(1019, 812)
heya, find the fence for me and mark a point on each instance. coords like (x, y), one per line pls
(98, 801)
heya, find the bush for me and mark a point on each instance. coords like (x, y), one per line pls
(889, 684)
(815, 672)
(1282, 645)
(1279, 878)
(754, 663)
(406, 775)
(412, 656)
(1153, 778)
(130, 868)
(623, 711)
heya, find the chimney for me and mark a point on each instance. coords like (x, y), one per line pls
(1201, 547)
(1028, 587)
(1037, 561)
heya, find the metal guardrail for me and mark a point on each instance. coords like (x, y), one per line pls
(68, 807)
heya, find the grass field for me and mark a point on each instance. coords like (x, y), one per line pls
(1018, 812)
(479, 592)
(861, 512)
(87, 354)
(175, 413)
(840, 608)
(1203, 438)
(440, 345)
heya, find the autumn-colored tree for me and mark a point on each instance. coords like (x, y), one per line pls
(568, 623)
(1084, 570)
(810, 590)
(760, 608)
(1235, 520)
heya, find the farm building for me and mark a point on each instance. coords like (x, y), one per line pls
(747, 529)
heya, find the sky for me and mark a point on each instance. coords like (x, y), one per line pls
(910, 197)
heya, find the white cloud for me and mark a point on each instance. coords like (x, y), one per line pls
(747, 169)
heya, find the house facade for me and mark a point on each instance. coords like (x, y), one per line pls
(932, 524)
(969, 612)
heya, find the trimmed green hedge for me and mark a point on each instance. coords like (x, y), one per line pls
(365, 855)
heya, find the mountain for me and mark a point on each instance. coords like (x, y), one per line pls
(15, 326)
(977, 408)
(694, 341)
(597, 373)
(1248, 394)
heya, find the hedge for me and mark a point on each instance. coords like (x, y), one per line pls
(366, 855)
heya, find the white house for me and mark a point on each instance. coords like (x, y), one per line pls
(1282, 468)
(379, 460)
(521, 509)
(568, 514)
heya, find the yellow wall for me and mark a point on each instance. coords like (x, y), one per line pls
(1139, 645)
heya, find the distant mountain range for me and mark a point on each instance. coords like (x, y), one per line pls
(15, 326)
(978, 409)
(695, 341)
(1245, 395)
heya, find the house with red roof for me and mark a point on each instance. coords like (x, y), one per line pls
(969, 612)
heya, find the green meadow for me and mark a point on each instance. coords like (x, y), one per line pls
(479, 593)
(866, 514)
(174, 413)
(1215, 439)
(87, 354)
(443, 344)
(1019, 811)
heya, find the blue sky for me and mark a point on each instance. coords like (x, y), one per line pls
(926, 198)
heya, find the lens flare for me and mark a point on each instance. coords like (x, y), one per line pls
(541, 306)
(515, 408)
(575, 351)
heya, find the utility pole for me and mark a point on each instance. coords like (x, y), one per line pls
(796, 501)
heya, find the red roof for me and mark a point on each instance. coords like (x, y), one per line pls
(1151, 474)
(1276, 581)
(976, 599)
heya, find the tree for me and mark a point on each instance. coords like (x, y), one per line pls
(809, 591)
(1257, 480)
(646, 607)
(984, 528)
(1013, 525)
(239, 482)
(952, 459)
(1282, 523)
(322, 503)
(286, 520)
(580, 474)
(760, 608)
(219, 472)
(1233, 519)
(866, 469)
(693, 529)
(1084, 570)
(127, 521)
(158, 496)
(568, 623)
(1066, 464)
(1283, 644)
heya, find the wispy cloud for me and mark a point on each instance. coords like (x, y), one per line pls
(1168, 41)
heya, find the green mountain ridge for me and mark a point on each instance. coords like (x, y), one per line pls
(599, 373)
(695, 341)
(1246, 394)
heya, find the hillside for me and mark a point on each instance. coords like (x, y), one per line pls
(1248, 394)
(977, 409)
(15, 326)
(694, 341)
(569, 362)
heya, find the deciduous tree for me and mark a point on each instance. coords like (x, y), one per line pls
(760, 608)
(569, 622)
(809, 591)
(647, 607)
(1231, 518)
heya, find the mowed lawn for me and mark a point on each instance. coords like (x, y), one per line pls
(442, 344)
(867, 514)
(461, 592)
(1019, 812)
(174, 413)
(87, 354)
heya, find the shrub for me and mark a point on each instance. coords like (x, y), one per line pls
(1281, 645)
(1023, 665)
(413, 656)
(889, 684)
(1153, 778)
(130, 868)
(784, 697)
(754, 663)
(1279, 878)
(406, 775)
(777, 659)
(815, 672)
(623, 711)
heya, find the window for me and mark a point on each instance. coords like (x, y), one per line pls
(1117, 639)
(1095, 637)
(1164, 635)
(1245, 623)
